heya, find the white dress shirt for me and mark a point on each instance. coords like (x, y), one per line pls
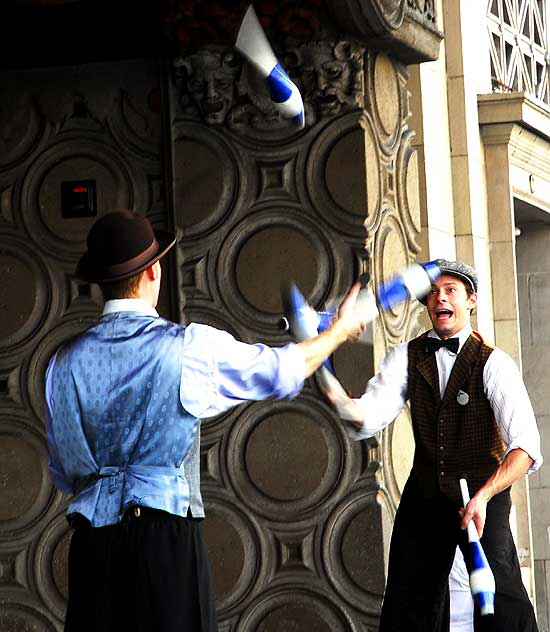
(503, 385)
(220, 372)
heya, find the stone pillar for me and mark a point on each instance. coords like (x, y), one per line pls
(515, 158)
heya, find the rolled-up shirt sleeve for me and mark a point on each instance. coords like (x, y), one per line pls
(506, 392)
(219, 372)
(385, 395)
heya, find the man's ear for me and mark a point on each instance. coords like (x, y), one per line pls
(152, 272)
(473, 301)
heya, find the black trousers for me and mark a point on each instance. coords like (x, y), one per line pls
(425, 535)
(144, 574)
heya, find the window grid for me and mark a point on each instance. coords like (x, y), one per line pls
(519, 47)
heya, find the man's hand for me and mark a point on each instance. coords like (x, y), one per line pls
(514, 466)
(349, 317)
(475, 510)
(350, 324)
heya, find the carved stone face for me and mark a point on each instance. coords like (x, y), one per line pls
(210, 84)
(328, 76)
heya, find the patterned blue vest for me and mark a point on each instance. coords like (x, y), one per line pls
(122, 435)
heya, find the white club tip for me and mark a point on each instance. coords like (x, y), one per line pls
(253, 44)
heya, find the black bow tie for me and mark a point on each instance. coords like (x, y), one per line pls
(433, 344)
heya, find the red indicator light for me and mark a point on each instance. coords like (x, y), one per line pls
(79, 190)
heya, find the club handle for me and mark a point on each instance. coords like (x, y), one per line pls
(473, 535)
(464, 491)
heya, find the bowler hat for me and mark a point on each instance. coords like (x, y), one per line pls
(120, 245)
(458, 269)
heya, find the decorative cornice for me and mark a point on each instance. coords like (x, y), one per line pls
(406, 29)
(514, 121)
(513, 107)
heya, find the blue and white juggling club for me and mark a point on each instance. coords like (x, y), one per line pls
(305, 323)
(482, 580)
(415, 281)
(301, 319)
(252, 43)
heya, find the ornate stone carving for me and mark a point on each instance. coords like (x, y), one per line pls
(206, 82)
(384, 15)
(405, 28)
(423, 10)
(218, 87)
(330, 76)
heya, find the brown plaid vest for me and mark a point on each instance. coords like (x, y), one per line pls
(451, 438)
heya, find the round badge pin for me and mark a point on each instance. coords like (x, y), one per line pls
(462, 398)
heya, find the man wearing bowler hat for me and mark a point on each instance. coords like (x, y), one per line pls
(124, 401)
(471, 415)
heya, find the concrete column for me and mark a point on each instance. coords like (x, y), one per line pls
(500, 214)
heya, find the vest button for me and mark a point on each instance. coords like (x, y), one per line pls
(442, 473)
(441, 447)
(441, 421)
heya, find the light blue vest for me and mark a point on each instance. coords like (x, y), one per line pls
(122, 435)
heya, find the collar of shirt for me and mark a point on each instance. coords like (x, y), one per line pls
(129, 305)
(462, 336)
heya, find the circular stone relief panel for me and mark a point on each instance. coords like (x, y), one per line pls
(383, 84)
(343, 176)
(22, 615)
(391, 254)
(351, 551)
(205, 180)
(374, 172)
(26, 293)
(21, 126)
(286, 457)
(233, 551)
(26, 491)
(267, 250)
(407, 189)
(293, 607)
(51, 563)
(70, 160)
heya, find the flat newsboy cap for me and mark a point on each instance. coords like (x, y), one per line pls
(120, 245)
(458, 269)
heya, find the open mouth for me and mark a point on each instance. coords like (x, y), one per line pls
(212, 107)
(443, 314)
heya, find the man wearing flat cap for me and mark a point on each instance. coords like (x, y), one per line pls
(124, 400)
(472, 418)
